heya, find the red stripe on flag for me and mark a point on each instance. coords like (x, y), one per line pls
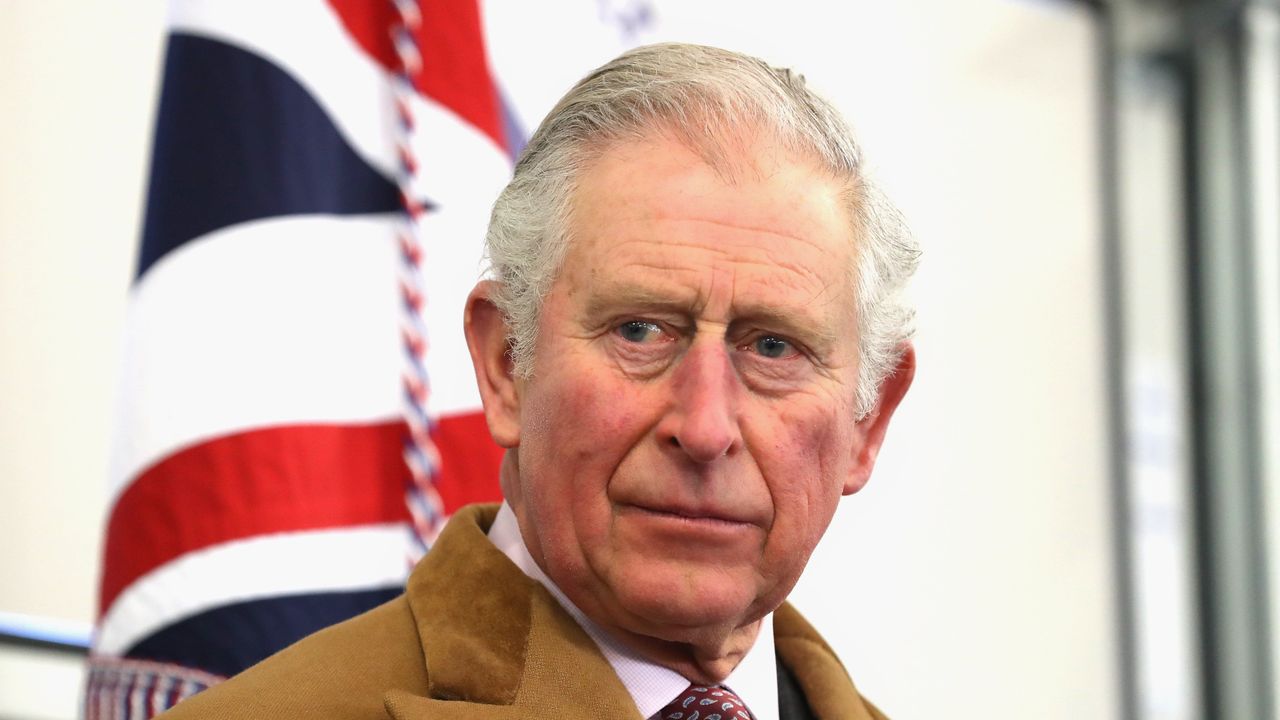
(469, 461)
(262, 481)
(282, 479)
(455, 68)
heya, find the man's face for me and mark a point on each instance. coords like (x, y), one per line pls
(690, 424)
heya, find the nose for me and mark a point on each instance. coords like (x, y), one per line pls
(703, 416)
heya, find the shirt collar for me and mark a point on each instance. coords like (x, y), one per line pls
(652, 686)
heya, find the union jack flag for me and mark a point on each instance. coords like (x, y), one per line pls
(289, 436)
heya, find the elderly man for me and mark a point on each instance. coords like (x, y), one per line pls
(690, 347)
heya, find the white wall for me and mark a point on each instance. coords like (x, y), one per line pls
(78, 86)
(79, 82)
(970, 579)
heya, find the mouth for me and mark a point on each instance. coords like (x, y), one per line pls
(689, 532)
(691, 515)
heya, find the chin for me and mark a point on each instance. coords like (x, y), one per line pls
(673, 608)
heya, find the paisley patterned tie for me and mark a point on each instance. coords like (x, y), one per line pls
(706, 702)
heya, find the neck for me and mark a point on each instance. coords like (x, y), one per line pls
(699, 661)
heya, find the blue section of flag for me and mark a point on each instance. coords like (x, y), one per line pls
(230, 638)
(238, 139)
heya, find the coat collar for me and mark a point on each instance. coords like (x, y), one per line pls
(822, 677)
(496, 644)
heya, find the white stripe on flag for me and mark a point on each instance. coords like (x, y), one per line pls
(462, 170)
(355, 558)
(284, 321)
(288, 320)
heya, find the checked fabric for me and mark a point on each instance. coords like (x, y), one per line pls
(701, 702)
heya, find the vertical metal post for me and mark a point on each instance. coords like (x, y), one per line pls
(1148, 339)
(1204, 74)
(1225, 371)
(1114, 326)
(1262, 80)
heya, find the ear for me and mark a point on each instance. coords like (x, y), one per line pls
(869, 435)
(486, 331)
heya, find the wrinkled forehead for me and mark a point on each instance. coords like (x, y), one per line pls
(654, 206)
(663, 172)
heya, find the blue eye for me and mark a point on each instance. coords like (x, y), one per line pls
(773, 347)
(638, 331)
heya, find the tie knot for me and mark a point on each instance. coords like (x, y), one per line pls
(706, 702)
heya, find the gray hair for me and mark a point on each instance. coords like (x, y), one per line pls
(706, 97)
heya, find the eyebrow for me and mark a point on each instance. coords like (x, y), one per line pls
(606, 297)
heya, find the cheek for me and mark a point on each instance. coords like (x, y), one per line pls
(584, 422)
(804, 474)
(813, 458)
(578, 429)
(600, 408)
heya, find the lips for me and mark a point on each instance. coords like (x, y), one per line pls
(692, 512)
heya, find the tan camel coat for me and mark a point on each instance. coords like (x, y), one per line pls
(473, 638)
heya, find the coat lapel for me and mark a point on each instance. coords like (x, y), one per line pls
(496, 644)
(820, 674)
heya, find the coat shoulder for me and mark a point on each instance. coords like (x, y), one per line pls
(343, 671)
